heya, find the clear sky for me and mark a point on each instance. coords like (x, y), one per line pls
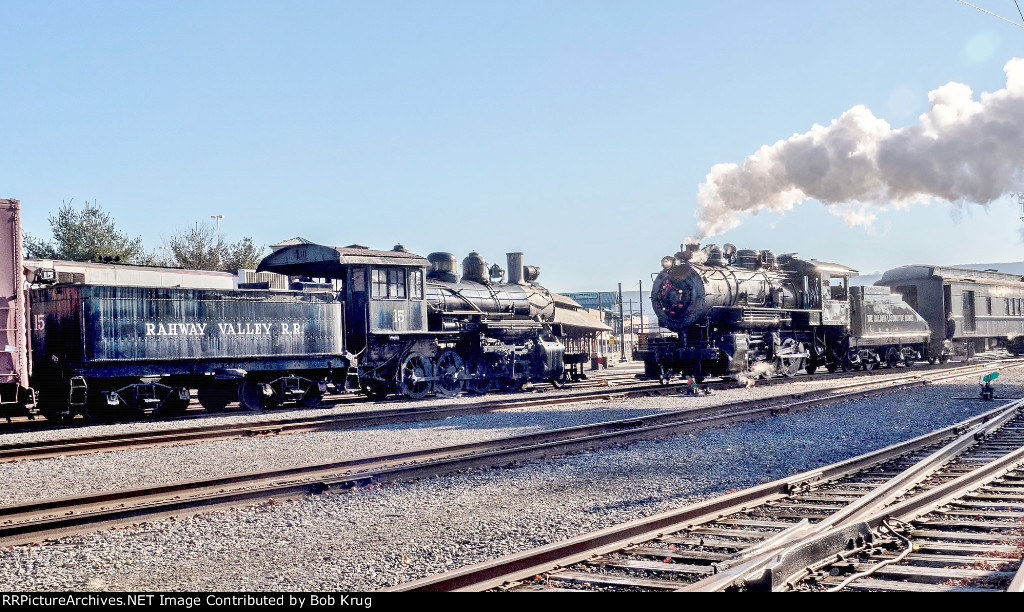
(577, 132)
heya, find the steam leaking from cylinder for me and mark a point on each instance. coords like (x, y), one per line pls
(963, 150)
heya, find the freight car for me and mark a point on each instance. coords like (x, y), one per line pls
(415, 327)
(16, 396)
(734, 313)
(987, 306)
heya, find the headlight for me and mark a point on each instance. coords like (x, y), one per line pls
(667, 262)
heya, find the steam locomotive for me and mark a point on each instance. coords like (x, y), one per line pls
(742, 312)
(135, 341)
(414, 327)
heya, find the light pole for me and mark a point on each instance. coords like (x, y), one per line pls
(622, 329)
(163, 254)
(218, 218)
(1020, 203)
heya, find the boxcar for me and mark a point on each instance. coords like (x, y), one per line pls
(16, 396)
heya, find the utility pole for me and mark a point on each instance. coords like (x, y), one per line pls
(1020, 203)
(622, 325)
(641, 306)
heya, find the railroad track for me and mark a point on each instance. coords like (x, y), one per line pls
(598, 379)
(625, 374)
(42, 449)
(941, 512)
(44, 519)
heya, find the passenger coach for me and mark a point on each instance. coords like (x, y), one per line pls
(988, 306)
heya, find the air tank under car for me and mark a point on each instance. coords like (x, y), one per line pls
(694, 282)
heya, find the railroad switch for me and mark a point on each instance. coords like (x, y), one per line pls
(987, 391)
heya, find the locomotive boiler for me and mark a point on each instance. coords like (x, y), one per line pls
(746, 311)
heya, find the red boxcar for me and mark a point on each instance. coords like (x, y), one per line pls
(16, 397)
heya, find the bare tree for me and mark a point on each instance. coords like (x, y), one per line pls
(196, 248)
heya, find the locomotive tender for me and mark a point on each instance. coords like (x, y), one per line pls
(735, 310)
(109, 350)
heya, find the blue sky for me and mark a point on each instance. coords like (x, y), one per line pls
(576, 132)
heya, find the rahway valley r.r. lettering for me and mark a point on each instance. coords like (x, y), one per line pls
(225, 329)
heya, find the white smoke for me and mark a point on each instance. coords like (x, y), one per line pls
(758, 369)
(963, 150)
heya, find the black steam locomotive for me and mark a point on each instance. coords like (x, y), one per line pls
(414, 327)
(750, 312)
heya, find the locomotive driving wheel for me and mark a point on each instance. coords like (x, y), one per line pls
(788, 366)
(450, 374)
(414, 375)
(559, 381)
(892, 357)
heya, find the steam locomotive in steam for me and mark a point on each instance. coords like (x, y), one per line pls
(747, 311)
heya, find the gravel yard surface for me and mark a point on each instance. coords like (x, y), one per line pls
(141, 467)
(380, 536)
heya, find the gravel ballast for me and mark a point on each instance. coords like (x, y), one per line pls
(379, 536)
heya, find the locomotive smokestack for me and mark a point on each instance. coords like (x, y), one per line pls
(515, 268)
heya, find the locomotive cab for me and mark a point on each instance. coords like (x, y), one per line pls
(382, 291)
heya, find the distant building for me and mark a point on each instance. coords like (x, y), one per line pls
(595, 300)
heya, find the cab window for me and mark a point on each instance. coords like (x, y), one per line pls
(388, 283)
(416, 284)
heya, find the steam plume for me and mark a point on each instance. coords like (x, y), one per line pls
(963, 150)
